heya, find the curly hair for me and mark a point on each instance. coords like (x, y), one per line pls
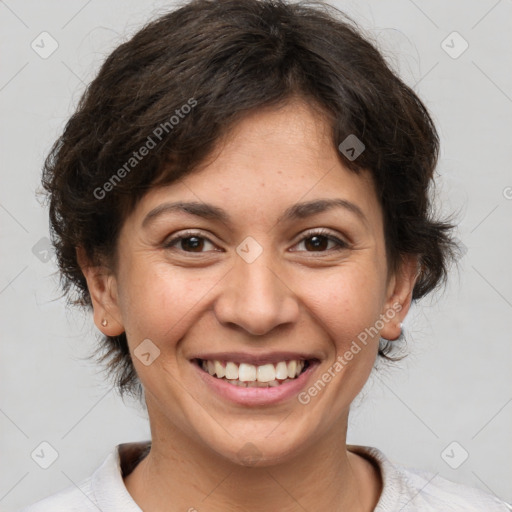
(207, 64)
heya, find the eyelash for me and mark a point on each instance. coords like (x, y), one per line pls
(318, 232)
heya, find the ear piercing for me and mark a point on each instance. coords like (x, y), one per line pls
(104, 322)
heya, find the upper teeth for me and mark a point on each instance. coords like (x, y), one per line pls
(251, 373)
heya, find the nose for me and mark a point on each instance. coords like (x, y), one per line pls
(256, 297)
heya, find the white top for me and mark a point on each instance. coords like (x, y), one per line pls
(404, 489)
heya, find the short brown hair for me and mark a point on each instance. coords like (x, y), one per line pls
(224, 59)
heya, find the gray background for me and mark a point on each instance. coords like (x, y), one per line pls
(455, 385)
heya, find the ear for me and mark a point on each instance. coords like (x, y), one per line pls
(399, 296)
(102, 286)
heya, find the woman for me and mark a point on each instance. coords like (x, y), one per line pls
(242, 199)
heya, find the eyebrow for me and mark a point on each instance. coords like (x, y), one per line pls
(212, 212)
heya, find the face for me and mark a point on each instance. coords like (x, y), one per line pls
(265, 278)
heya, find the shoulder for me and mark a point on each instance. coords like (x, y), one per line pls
(71, 499)
(105, 485)
(104, 490)
(430, 491)
(413, 490)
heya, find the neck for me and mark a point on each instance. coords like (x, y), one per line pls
(180, 474)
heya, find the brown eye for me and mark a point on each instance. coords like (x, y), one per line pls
(319, 242)
(188, 242)
(193, 243)
(316, 243)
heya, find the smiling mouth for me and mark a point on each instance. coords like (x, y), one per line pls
(254, 376)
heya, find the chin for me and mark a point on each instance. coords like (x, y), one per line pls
(271, 444)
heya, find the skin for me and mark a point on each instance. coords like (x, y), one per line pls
(294, 296)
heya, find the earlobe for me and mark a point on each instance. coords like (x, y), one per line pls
(399, 300)
(102, 287)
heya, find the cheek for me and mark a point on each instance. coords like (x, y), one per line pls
(344, 303)
(159, 304)
(347, 301)
(162, 306)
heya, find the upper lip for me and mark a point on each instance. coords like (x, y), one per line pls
(255, 359)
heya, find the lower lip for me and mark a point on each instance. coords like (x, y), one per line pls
(256, 396)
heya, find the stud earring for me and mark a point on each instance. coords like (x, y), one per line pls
(104, 322)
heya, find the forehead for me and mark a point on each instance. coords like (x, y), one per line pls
(270, 160)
